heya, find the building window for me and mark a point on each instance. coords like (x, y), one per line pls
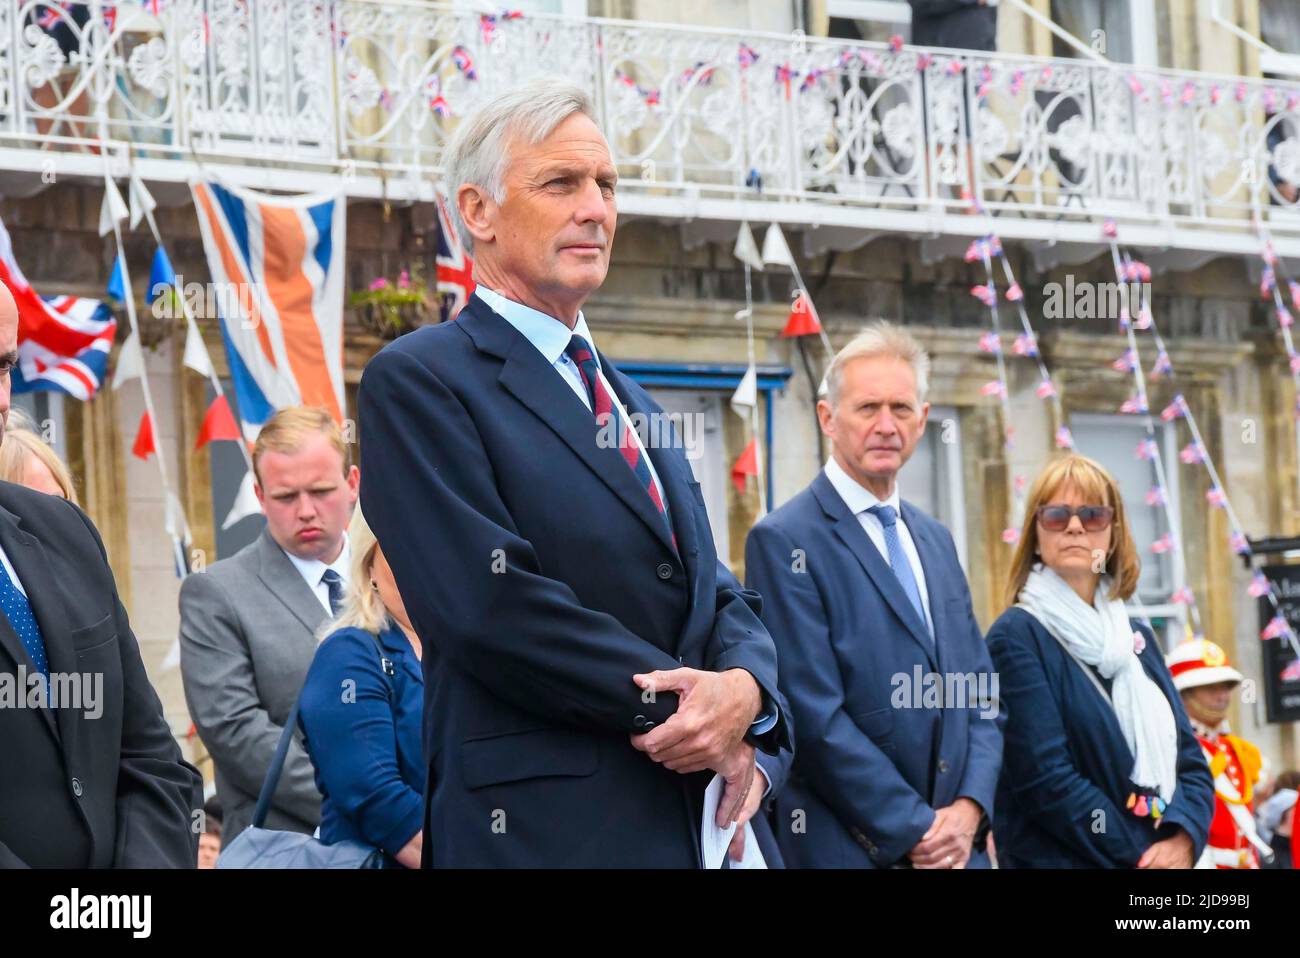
(1113, 441)
(1279, 25)
(697, 418)
(932, 478)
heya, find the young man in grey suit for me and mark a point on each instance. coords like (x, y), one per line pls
(248, 624)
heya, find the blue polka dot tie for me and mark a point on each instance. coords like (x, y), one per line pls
(19, 613)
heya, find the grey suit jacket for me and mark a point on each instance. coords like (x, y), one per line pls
(248, 628)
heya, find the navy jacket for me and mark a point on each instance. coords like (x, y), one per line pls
(532, 560)
(1065, 779)
(867, 775)
(362, 731)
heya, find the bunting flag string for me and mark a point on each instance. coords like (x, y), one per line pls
(1128, 270)
(1270, 284)
(745, 399)
(1139, 405)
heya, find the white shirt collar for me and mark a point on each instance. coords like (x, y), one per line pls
(549, 335)
(856, 496)
(312, 569)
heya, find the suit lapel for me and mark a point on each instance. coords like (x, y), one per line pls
(283, 580)
(531, 380)
(851, 533)
(49, 605)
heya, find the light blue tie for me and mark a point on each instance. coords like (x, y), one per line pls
(898, 559)
(18, 611)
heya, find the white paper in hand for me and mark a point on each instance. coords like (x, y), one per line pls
(714, 841)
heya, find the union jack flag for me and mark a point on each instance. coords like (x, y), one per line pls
(1010, 536)
(455, 267)
(1064, 439)
(1162, 366)
(747, 56)
(1164, 544)
(1183, 596)
(1147, 449)
(1014, 293)
(1266, 281)
(995, 388)
(1216, 497)
(1025, 345)
(1175, 409)
(1144, 319)
(1126, 363)
(1156, 496)
(1295, 362)
(63, 341)
(990, 343)
(1295, 293)
(1277, 628)
(986, 294)
(1109, 229)
(50, 15)
(1239, 543)
(1284, 318)
(1133, 405)
(1192, 453)
(460, 57)
(1259, 586)
(1046, 390)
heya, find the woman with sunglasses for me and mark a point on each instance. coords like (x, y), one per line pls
(1100, 767)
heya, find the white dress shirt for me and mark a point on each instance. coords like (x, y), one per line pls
(312, 571)
(13, 575)
(859, 499)
(551, 338)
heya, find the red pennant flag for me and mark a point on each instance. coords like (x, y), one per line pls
(144, 438)
(745, 466)
(802, 321)
(218, 423)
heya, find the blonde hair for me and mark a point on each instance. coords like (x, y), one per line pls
(21, 442)
(362, 607)
(1097, 486)
(286, 431)
(880, 339)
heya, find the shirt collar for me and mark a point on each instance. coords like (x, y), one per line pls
(312, 569)
(549, 335)
(1206, 731)
(856, 496)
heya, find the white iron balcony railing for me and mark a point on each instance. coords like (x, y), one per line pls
(704, 124)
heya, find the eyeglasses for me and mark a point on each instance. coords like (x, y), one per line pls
(1057, 518)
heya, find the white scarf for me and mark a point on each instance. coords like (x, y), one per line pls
(1100, 635)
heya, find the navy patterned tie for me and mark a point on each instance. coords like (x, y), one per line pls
(334, 582)
(898, 559)
(19, 613)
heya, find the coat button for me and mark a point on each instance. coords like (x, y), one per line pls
(76, 787)
(643, 723)
(665, 571)
(943, 765)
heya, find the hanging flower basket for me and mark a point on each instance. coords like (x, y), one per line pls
(389, 309)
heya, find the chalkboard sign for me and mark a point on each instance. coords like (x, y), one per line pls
(1281, 667)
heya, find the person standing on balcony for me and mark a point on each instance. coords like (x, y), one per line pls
(959, 24)
(596, 663)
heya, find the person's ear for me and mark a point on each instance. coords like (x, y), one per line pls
(477, 210)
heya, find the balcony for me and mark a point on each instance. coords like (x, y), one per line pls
(707, 126)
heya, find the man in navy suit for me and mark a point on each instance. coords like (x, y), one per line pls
(591, 664)
(889, 683)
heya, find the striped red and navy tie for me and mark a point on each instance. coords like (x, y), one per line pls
(602, 405)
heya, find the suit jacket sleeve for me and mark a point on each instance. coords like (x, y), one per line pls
(471, 583)
(221, 691)
(158, 792)
(777, 767)
(1038, 764)
(740, 640)
(1193, 805)
(845, 767)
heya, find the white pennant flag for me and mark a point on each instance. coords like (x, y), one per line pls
(746, 249)
(175, 524)
(745, 398)
(246, 503)
(142, 200)
(173, 658)
(114, 208)
(196, 351)
(130, 361)
(775, 248)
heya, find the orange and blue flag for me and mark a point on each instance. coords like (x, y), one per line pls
(277, 267)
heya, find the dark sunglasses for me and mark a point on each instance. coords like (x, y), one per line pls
(1057, 518)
